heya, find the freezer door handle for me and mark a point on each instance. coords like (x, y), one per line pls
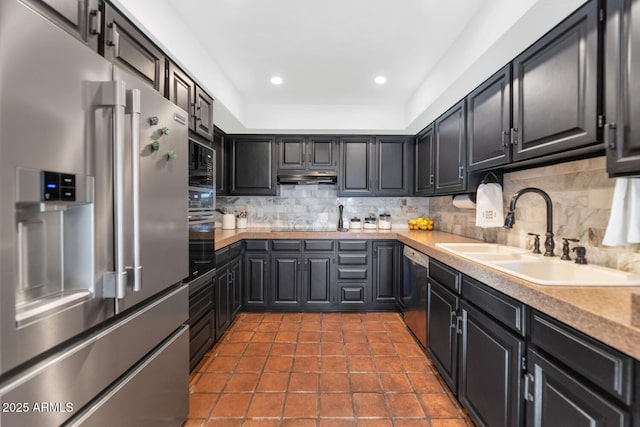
(133, 108)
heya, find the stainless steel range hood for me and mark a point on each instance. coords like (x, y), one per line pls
(307, 178)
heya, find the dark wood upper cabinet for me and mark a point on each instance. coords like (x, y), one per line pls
(181, 91)
(292, 153)
(306, 153)
(489, 122)
(252, 167)
(393, 168)
(203, 114)
(450, 150)
(219, 144)
(555, 88)
(622, 100)
(126, 46)
(80, 18)
(322, 153)
(424, 160)
(356, 166)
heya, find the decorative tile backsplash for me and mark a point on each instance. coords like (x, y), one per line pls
(581, 192)
(317, 206)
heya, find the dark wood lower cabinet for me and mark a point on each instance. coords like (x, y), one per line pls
(285, 281)
(442, 332)
(318, 281)
(256, 280)
(222, 294)
(489, 367)
(386, 273)
(235, 268)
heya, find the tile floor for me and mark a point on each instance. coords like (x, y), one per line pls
(319, 370)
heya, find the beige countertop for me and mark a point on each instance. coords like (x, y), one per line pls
(604, 313)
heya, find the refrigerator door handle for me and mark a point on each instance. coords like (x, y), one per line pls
(133, 108)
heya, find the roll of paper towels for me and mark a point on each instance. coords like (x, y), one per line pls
(464, 201)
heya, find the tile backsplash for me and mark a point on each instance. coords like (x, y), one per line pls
(317, 206)
(581, 192)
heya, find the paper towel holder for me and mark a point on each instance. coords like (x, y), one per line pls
(491, 177)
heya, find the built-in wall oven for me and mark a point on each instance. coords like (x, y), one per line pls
(202, 204)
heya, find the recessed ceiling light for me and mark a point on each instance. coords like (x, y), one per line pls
(380, 80)
(276, 80)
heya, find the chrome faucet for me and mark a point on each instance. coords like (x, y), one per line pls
(510, 219)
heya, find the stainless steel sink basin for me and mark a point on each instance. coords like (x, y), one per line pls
(538, 269)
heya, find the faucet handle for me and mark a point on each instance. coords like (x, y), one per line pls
(536, 243)
(565, 248)
(581, 253)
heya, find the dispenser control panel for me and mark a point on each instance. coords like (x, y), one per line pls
(58, 187)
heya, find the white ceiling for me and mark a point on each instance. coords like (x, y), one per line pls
(432, 52)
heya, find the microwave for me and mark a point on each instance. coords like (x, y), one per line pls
(201, 165)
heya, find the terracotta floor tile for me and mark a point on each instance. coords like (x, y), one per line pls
(331, 382)
(360, 364)
(333, 405)
(250, 364)
(425, 383)
(240, 336)
(374, 336)
(439, 405)
(247, 326)
(298, 422)
(224, 423)
(261, 423)
(332, 349)
(374, 423)
(374, 325)
(269, 327)
(404, 405)
(388, 364)
(449, 423)
(194, 423)
(286, 336)
(331, 336)
(308, 349)
(278, 363)
(413, 423)
(289, 326)
(231, 349)
(355, 336)
(282, 349)
(273, 317)
(337, 423)
(292, 317)
(222, 364)
(200, 404)
(408, 349)
(231, 405)
(301, 405)
(309, 336)
(273, 381)
(203, 364)
(416, 364)
(257, 349)
(308, 382)
(370, 405)
(242, 382)
(263, 337)
(309, 325)
(211, 382)
(306, 364)
(365, 382)
(333, 364)
(251, 317)
(357, 349)
(397, 382)
(193, 379)
(266, 405)
(382, 349)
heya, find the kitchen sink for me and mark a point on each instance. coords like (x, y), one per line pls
(538, 269)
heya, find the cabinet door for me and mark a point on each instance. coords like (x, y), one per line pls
(556, 398)
(80, 18)
(393, 169)
(622, 49)
(385, 272)
(235, 268)
(219, 144)
(322, 153)
(222, 301)
(203, 114)
(490, 371)
(286, 280)
(256, 280)
(489, 122)
(424, 173)
(291, 153)
(555, 88)
(126, 46)
(442, 337)
(252, 167)
(450, 149)
(318, 280)
(181, 92)
(356, 162)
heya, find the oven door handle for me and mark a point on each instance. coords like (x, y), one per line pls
(201, 220)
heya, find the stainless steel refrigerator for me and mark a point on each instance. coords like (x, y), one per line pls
(93, 236)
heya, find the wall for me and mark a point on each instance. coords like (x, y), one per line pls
(581, 193)
(317, 206)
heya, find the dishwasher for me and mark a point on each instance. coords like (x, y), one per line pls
(414, 292)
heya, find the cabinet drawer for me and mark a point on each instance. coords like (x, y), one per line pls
(444, 275)
(352, 294)
(222, 256)
(318, 245)
(503, 308)
(200, 303)
(286, 245)
(599, 363)
(352, 259)
(352, 245)
(235, 250)
(257, 245)
(352, 273)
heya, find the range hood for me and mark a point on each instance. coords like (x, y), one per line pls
(307, 178)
